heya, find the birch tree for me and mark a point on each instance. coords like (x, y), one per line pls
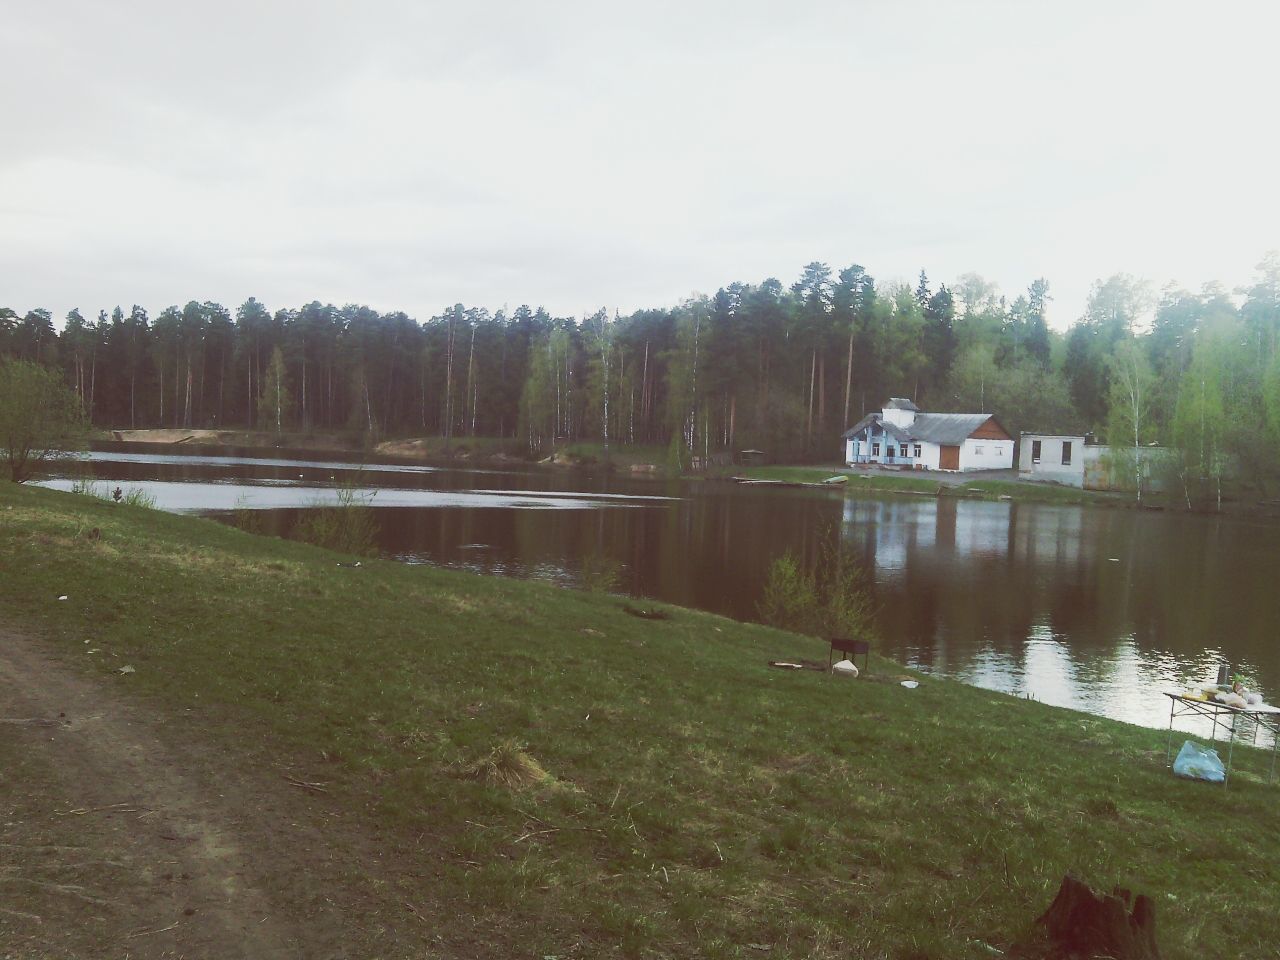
(275, 401)
(600, 333)
(1200, 419)
(1131, 385)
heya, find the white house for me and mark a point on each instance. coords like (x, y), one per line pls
(1077, 460)
(902, 436)
(1059, 459)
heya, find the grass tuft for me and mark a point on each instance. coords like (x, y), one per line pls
(507, 765)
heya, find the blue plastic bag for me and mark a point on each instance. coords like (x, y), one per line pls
(1197, 762)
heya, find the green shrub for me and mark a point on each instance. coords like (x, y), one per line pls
(247, 519)
(600, 574)
(828, 597)
(39, 416)
(86, 486)
(137, 497)
(348, 527)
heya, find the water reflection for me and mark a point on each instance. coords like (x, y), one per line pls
(1099, 610)
(272, 494)
(1096, 609)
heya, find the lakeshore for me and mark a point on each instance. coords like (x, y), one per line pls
(650, 462)
(694, 803)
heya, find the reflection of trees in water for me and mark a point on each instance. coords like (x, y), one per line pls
(951, 578)
(1120, 588)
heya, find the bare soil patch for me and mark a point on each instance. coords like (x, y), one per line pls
(121, 835)
(168, 436)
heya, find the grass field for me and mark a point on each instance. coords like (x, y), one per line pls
(911, 483)
(675, 796)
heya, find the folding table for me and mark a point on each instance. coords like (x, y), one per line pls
(1262, 715)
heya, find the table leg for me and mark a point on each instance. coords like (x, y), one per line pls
(1275, 741)
(1168, 741)
(1230, 748)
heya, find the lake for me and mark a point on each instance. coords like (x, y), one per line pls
(1095, 608)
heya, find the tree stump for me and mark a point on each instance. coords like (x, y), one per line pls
(1080, 923)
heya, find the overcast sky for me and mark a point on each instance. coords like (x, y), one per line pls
(579, 155)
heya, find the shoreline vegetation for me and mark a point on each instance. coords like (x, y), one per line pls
(650, 462)
(536, 772)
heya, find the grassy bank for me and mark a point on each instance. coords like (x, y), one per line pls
(696, 802)
(915, 483)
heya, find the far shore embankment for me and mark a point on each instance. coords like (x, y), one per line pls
(650, 462)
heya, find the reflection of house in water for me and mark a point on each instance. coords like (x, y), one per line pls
(1046, 534)
(891, 531)
(948, 569)
(981, 529)
(888, 531)
(1093, 609)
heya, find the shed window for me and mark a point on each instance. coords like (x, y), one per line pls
(977, 451)
(1066, 453)
(1035, 451)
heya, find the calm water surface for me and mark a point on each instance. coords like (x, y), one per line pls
(1092, 608)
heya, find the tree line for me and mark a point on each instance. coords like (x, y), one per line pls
(785, 369)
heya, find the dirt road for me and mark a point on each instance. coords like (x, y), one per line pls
(114, 843)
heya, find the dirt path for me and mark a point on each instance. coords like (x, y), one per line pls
(113, 843)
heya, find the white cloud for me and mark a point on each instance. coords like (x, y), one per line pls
(411, 155)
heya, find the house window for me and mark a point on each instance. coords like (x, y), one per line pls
(902, 451)
(875, 449)
(1035, 451)
(1066, 453)
(917, 451)
(977, 451)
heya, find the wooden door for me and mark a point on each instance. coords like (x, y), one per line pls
(949, 458)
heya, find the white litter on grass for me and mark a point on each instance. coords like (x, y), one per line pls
(911, 684)
(1114, 559)
(845, 667)
(63, 597)
(127, 668)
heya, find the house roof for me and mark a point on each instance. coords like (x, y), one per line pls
(1088, 439)
(899, 403)
(947, 429)
(898, 433)
(861, 425)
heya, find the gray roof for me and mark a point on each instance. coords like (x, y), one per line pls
(861, 425)
(899, 403)
(896, 432)
(941, 428)
(948, 428)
